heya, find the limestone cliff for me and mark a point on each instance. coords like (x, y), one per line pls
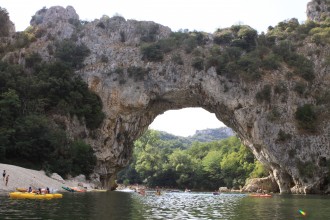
(136, 87)
(318, 10)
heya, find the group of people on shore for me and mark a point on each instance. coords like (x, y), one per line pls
(5, 177)
(39, 190)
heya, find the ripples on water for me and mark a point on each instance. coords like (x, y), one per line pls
(122, 206)
(190, 206)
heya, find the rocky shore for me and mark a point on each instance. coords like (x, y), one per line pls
(23, 178)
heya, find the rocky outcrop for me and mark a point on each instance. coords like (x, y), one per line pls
(135, 90)
(318, 10)
(266, 184)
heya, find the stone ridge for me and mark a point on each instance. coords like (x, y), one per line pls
(318, 10)
(134, 91)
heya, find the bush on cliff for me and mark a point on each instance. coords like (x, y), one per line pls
(306, 117)
(68, 52)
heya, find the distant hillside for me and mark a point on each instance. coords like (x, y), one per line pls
(206, 135)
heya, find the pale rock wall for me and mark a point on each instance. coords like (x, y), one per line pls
(318, 10)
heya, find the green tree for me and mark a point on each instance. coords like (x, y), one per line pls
(83, 158)
(9, 108)
(211, 165)
(72, 54)
(184, 166)
(306, 117)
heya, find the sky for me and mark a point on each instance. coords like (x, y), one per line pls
(200, 15)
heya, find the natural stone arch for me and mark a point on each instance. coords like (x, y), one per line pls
(132, 102)
(133, 105)
(134, 91)
(233, 109)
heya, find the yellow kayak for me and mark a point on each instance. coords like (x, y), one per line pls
(24, 195)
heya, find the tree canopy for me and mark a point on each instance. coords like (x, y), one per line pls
(201, 166)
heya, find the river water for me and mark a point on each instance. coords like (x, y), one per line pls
(122, 206)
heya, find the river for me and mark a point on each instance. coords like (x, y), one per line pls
(122, 206)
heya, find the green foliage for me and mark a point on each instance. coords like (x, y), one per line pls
(198, 63)
(320, 35)
(152, 53)
(306, 117)
(271, 62)
(154, 50)
(149, 32)
(306, 169)
(223, 37)
(68, 52)
(290, 34)
(83, 158)
(258, 171)
(29, 136)
(280, 88)
(302, 66)
(300, 88)
(32, 60)
(323, 98)
(245, 54)
(264, 94)
(274, 115)
(168, 44)
(249, 35)
(137, 73)
(282, 136)
(23, 39)
(241, 36)
(204, 166)
(248, 65)
(327, 61)
(237, 165)
(176, 58)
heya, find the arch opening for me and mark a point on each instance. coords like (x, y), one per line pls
(206, 157)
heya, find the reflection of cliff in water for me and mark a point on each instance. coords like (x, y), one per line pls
(282, 207)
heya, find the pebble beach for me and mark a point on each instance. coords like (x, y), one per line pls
(20, 177)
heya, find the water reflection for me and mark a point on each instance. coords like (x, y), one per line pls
(284, 207)
(190, 206)
(111, 205)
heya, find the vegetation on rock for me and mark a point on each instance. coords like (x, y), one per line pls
(31, 99)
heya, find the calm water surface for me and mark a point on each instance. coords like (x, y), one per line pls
(120, 205)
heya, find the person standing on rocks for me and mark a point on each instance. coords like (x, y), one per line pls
(3, 175)
(7, 179)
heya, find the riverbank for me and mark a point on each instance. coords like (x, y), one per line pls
(20, 177)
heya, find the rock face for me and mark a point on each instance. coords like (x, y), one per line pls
(318, 10)
(265, 184)
(135, 91)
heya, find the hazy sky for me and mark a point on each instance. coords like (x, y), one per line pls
(200, 15)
